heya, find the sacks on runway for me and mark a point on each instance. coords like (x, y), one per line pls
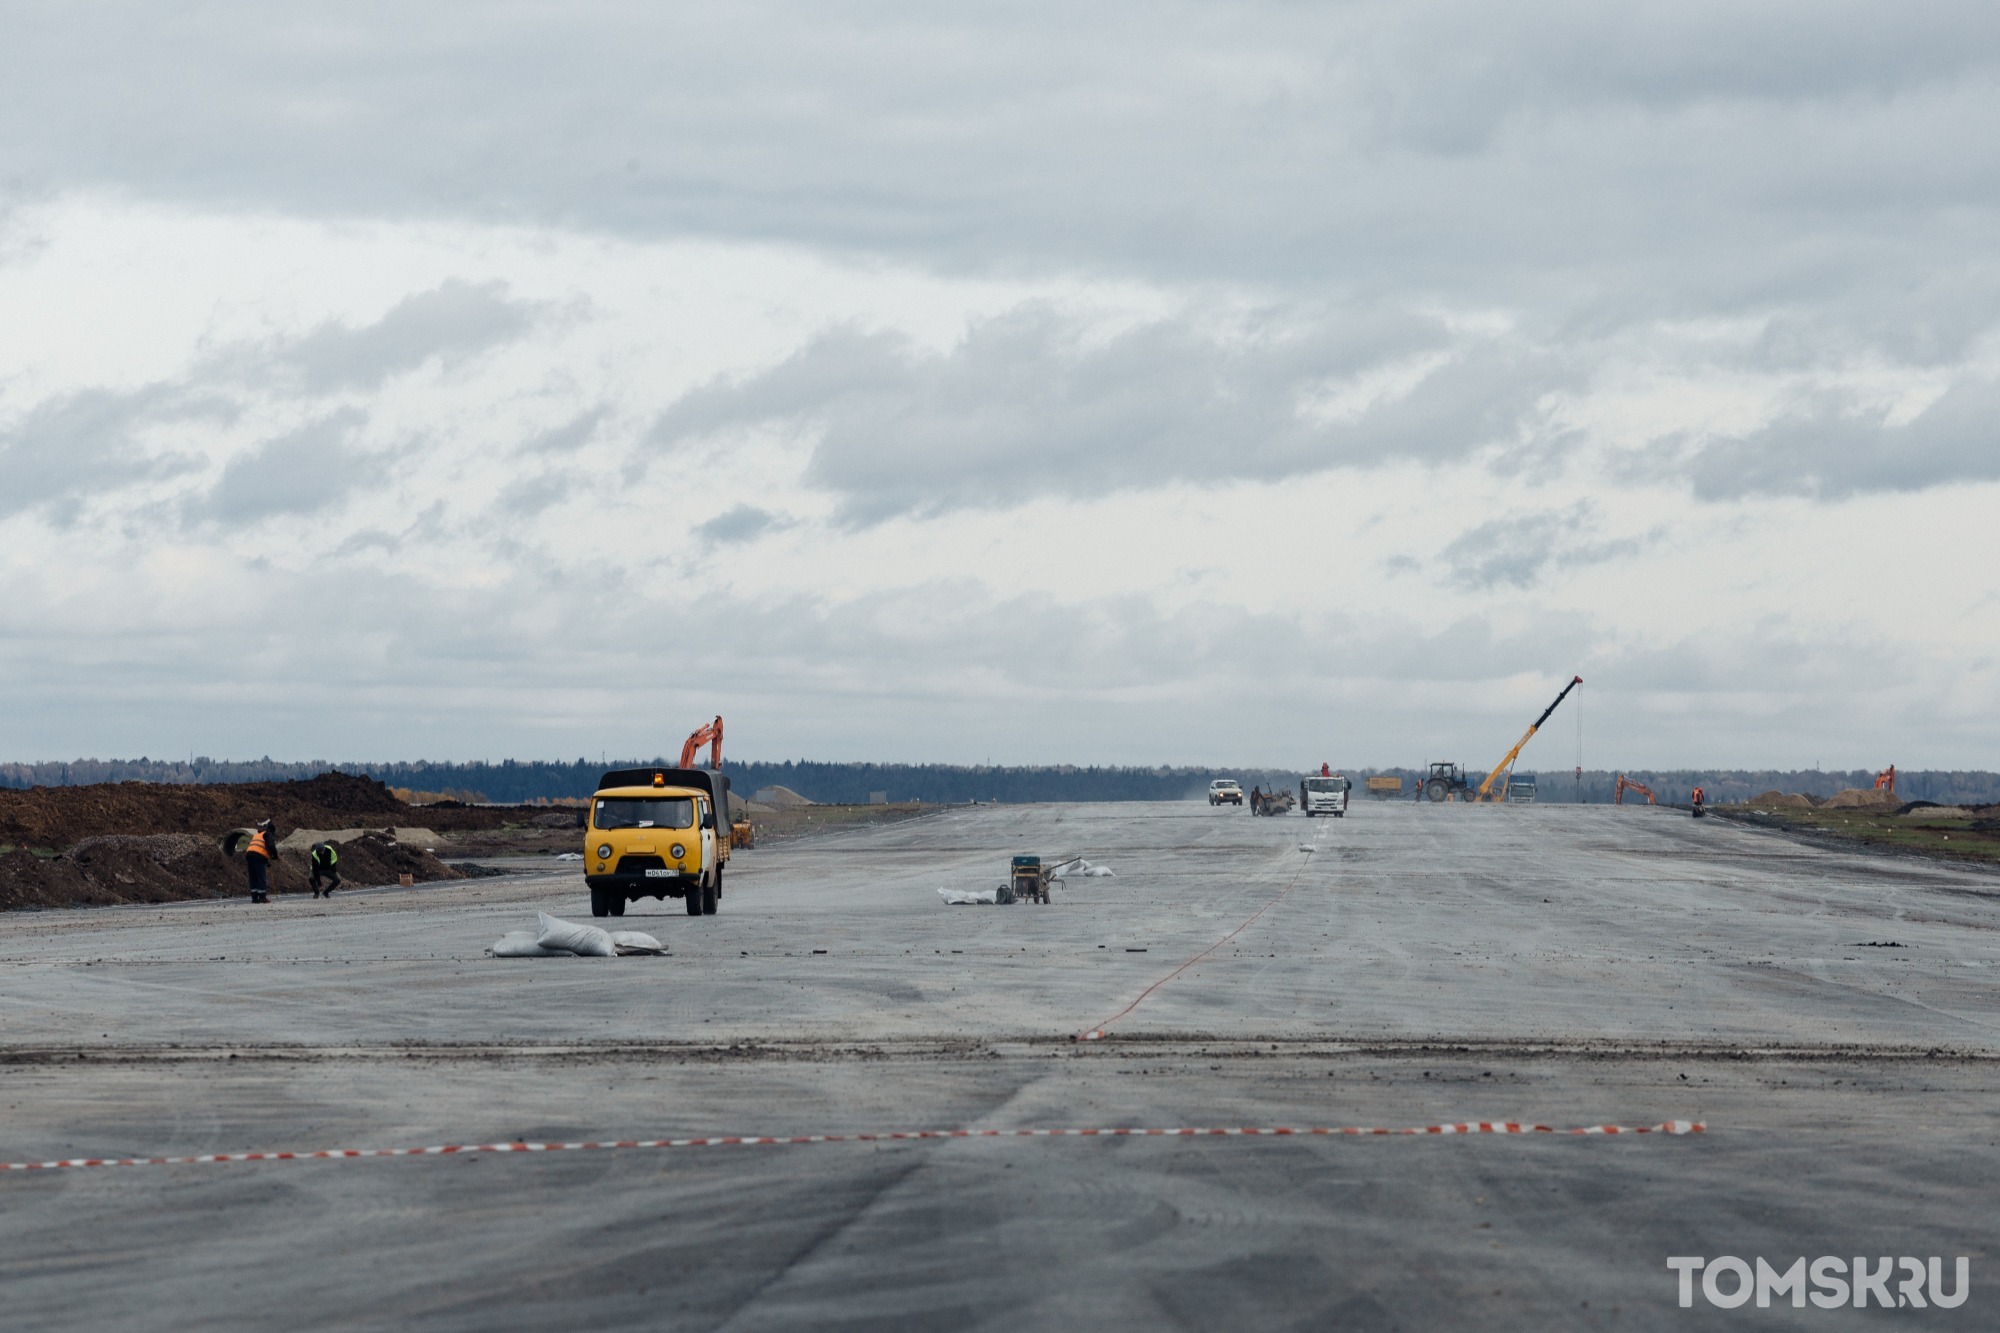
(528, 944)
(970, 898)
(569, 937)
(520, 944)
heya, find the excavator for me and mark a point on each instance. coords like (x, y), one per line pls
(711, 736)
(1626, 784)
(741, 833)
(1886, 780)
(1501, 771)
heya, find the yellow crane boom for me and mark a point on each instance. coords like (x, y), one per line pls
(1505, 767)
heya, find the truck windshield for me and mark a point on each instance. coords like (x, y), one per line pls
(1326, 784)
(643, 812)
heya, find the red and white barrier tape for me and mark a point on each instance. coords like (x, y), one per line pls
(757, 1140)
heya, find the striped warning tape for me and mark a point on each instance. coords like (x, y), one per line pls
(901, 1135)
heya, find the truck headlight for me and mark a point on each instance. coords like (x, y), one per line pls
(604, 852)
(679, 851)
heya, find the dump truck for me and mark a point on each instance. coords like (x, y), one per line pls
(1383, 788)
(659, 833)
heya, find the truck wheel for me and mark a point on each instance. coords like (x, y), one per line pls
(600, 903)
(693, 900)
(711, 894)
(617, 902)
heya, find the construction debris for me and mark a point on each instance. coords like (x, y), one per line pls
(970, 897)
(558, 938)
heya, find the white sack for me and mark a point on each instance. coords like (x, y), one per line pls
(569, 856)
(635, 941)
(567, 936)
(961, 898)
(520, 944)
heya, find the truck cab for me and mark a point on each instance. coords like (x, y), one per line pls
(1325, 794)
(653, 832)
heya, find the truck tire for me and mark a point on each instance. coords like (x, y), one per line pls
(694, 900)
(711, 896)
(617, 902)
(600, 901)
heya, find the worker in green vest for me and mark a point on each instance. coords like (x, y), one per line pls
(325, 862)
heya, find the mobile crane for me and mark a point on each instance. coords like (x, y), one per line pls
(1505, 767)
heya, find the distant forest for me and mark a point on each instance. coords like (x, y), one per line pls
(517, 781)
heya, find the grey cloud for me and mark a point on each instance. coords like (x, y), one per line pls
(1829, 448)
(454, 320)
(1029, 404)
(68, 447)
(1592, 169)
(300, 472)
(1518, 549)
(568, 437)
(741, 524)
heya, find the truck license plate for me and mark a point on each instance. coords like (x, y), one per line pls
(658, 874)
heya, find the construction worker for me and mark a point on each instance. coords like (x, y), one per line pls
(324, 858)
(1698, 800)
(258, 853)
(1325, 772)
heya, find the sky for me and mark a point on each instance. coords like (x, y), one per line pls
(1033, 383)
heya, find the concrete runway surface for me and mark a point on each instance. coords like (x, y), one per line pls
(1547, 964)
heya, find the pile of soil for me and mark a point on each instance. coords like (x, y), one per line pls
(1778, 800)
(175, 867)
(1862, 798)
(61, 816)
(56, 817)
(127, 842)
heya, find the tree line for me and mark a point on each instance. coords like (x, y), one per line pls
(516, 781)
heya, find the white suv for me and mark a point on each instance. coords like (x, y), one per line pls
(1225, 790)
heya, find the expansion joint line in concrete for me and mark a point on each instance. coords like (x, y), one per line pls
(891, 1136)
(1097, 1033)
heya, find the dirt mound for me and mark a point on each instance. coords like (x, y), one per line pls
(1778, 800)
(782, 798)
(56, 817)
(174, 867)
(1862, 798)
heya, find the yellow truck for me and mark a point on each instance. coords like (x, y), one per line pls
(652, 833)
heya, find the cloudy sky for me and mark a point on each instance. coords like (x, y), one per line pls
(1118, 383)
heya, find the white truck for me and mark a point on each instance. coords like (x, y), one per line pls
(1324, 794)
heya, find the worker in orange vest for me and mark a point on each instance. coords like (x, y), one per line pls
(258, 853)
(1698, 800)
(1325, 772)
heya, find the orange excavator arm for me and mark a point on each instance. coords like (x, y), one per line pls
(1886, 780)
(1626, 784)
(711, 736)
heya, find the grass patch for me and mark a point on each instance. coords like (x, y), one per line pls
(1961, 839)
